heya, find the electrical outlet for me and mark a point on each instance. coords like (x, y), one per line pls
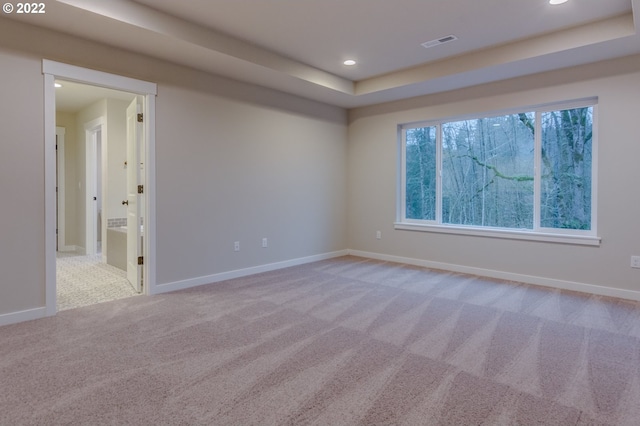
(635, 262)
(265, 243)
(236, 246)
(378, 235)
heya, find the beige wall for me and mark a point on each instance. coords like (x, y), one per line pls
(239, 163)
(114, 113)
(68, 121)
(372, 170)
(237, 171)
(21, 184)
(234, 162)
(116, 173)
(84, 117)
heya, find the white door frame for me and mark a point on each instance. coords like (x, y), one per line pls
(135, 167)
(51, 71)
(91, 130)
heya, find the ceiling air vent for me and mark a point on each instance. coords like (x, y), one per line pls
(439, 41)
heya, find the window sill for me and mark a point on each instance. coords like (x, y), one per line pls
(511, 234)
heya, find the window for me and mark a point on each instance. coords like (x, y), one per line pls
(525, 174)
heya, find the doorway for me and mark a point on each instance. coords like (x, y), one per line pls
(90, 182)
(96, 143)
(94, 175)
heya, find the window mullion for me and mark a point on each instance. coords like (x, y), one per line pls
(503, 144)
(594, 171)
(537, 171)
(439, 173)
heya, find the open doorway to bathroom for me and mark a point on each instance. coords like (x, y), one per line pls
(140, 188)
(92, 195)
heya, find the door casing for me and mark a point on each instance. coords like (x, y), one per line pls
(135, 134)
(93, 129)
(56, 70)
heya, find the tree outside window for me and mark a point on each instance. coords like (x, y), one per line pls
(481, 172)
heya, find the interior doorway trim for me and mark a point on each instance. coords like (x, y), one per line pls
(56, 70)
(94, 130)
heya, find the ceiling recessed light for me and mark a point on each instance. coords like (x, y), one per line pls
(349, 62)
(57, 85)
(557, 1)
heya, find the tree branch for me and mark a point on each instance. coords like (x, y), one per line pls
(497, 172)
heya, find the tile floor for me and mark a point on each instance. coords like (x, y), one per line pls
(87, 280)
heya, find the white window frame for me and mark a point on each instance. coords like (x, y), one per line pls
(537, 233)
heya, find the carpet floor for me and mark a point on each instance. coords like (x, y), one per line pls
(347, 341)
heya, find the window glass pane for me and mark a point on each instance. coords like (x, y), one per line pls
(421, 173)
(566, 169)
(487, 171)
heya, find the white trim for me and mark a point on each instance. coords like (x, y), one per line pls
(98, 78)
(91, 130)
(508, 276)
(149, 240)
(537, 170)
(52, 70)
(439, 166)
(104, 169)
(595, 142)
(239, 273)
(509, 234)
(538, 233)
(21, 316)
(71, 248)
(544, 107)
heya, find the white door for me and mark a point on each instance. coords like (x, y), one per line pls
(134, 198)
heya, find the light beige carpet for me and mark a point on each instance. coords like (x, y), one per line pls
(346, 341)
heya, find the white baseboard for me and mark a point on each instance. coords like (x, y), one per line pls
(28, 315)
(508, 276)
(223, 276)
(32, 314)
(66, 249)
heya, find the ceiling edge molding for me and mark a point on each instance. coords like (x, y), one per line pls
(148, 19)
(548, 44)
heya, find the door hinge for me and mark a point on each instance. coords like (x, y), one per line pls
(140, 117)
(140, 189)
(140, 260)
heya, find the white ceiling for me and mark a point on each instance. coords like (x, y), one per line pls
(383, 35)
(72, 97)
(298, 46)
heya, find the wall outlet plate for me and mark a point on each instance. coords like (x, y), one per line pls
(635, 262)
(236, 246)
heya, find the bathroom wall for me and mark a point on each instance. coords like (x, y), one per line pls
(116, 171)
(68, 121)
(84, 116)
(113, 165)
